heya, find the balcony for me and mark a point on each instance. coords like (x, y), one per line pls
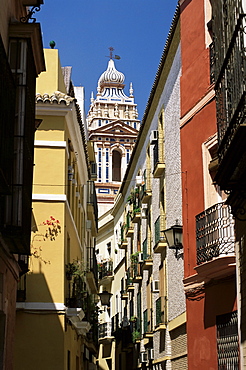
(147, 261)
(147, 323)
(159, 165)
(105, 272)
(92, 208)
(124, 295)
(129, 226)
(135, 269)
(92, 273)
(215, 241)
(129, 280)
(123, 242)
(145, 193)
(136, 217)
(229, 72)
(82, 312)
(105, 333)
(160, 241)
(160, 322)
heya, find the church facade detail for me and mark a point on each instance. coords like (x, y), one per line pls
(113, 126)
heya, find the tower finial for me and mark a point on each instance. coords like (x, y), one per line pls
(131, 90)
(111, 49)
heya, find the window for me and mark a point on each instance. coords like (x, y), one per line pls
(227, 341)
(127, 155)
(107, 165)
(116, 166)
(99, 164)
(17, 215)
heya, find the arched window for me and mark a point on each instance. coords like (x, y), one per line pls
(116, 166)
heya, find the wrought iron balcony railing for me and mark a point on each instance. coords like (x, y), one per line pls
(147, 321)
(115, 323)
(159, 234)
(145, 249)
(214, 233)
(105, 330)
(159, 311)
(105, 269)
(228, 67)
(92, 199)
(92, 263)
(156, 154)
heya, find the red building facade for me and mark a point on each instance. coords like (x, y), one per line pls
(208, 227)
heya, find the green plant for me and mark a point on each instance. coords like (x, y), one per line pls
(131, 197)
(135, 335)
(133, 319)
(136, 210)
(75, 269)
(134, 257)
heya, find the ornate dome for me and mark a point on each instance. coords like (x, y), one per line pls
(111, 75)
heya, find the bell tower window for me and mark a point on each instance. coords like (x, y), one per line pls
(116, 166)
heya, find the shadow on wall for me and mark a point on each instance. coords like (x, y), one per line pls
(220, 299)
(39, 341)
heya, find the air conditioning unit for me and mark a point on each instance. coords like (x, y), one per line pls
(151, 353)
(143, 357)
(153, 136)
(139, 180)
(144, 210)
(140, 257)
(155, 286)
(93, 171)
(77, 194)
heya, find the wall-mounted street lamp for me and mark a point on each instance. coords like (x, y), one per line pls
(174, 237)
(105, 298)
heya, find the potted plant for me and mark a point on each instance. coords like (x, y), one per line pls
(70, 270)
(74, 269)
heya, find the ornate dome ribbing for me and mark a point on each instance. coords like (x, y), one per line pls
(111, 75)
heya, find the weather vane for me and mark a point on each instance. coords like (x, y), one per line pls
(111, 54)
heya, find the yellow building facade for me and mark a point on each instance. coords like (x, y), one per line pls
(21, 61)
(57, 309)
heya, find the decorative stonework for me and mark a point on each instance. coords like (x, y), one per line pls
(113, 126)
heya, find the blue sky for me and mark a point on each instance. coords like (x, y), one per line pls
(84, 30)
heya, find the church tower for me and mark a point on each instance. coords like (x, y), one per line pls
(113, 126)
